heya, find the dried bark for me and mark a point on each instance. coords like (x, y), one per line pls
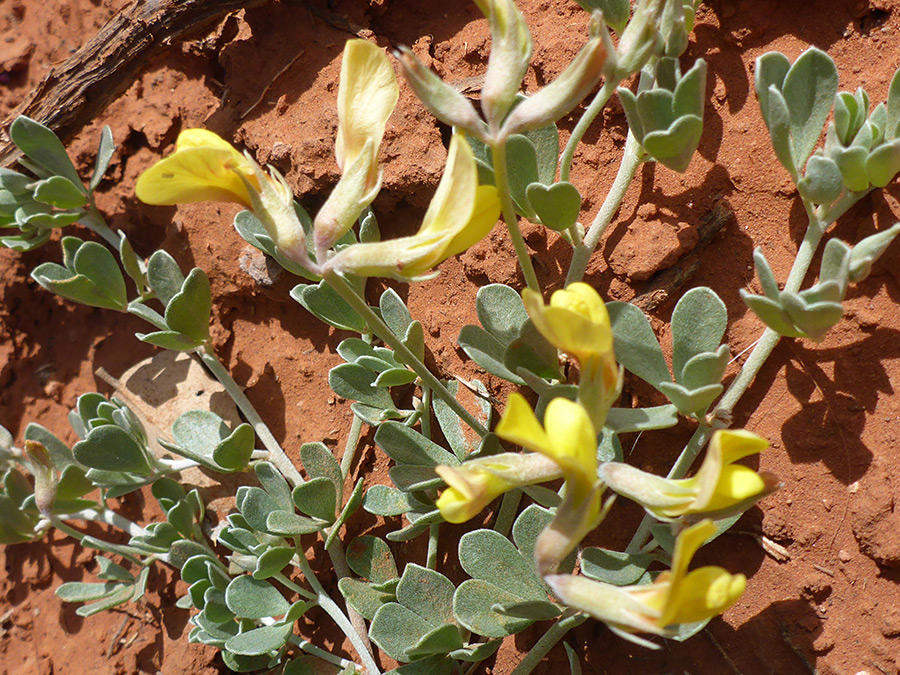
(76, 91)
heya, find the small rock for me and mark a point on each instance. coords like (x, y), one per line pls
(844, 556)
(261, 268)
(823, 643)
(872, 516)
(815, 587)
(15, 55)
(890, 623)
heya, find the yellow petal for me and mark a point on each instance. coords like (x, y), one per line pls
(725, 447)
(686, 545)
(736, 444)
(366, 98)
(520, 426)
(590, 305)
(573, 441)
(736, 484)
(470, 490)
(195, 174)
(703, 594)
(453, 202)
(484, 217)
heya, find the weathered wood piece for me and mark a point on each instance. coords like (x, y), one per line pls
(76, 91)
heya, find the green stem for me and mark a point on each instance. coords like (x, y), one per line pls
(299, 590)
(387, 336)
(431, 556)
(95, 222)
(342, 570)
(567, 622)
(501, 180)
(331, 608)
(721, 415)
(310, 648)
(632, 157)
(276, 453)
(79, 537)
(352, 444)
(590, 114)
(509, 507)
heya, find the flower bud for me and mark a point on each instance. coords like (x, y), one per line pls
(565, 92)
(639, 39)
(45, 480)
(442, 100)
(510, 55)
(476, 483)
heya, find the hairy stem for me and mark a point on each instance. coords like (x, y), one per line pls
(501, 180)
(631, 160)
(310, 648)
(509, 507)
(590, 114)
(387, 336)
(95, 222)
(721, 415)
(331, 608)
(276, 453)
(566, 622)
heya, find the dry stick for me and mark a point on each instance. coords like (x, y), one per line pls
(75, 92)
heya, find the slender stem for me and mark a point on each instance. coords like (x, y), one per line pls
(299, 590)
(342, 570)
(58, 523)
(590, 114)
(176, 465)
(509, 507)
(567, 622)
(632, 157)
(276, 453)
(95, 222)
(431, 556)
(351, 446)
(387, 336)
(331, 608)
(109, 518)
(501, 180)
(721, 415)
(310, 648)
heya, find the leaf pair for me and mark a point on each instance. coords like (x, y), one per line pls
(698, 358)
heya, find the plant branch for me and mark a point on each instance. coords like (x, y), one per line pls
(631, 160)
(276, 453)
(566, 622)
(501, 180)
(587, 118)
(381, 329)
(331, 608)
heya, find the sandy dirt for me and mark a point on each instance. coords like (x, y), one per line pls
(266, 78)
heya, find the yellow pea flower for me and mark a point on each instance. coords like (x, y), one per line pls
(568, 438)
(205, 167)
(367, 95)
(459, 215)
(719, 489)
(476, 483)
(675, 596)
(577, 323)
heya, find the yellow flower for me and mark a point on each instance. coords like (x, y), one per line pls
(675, 596)
(460, 214)
(576, 322)
(569, 439)
(366, 98)
(367, 95)
(203, 168)
(476, 483)
(720, 488)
